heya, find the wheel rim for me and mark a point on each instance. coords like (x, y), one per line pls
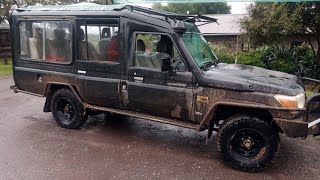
(247, 142)
(66, 111)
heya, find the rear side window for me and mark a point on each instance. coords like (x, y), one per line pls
(46, 41)
(98, 41)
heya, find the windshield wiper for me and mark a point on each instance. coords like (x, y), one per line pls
(206, 65)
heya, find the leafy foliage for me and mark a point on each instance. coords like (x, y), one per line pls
(271, 22)
(298, 60)
(252, 58)
(195, 8)
(224, 54)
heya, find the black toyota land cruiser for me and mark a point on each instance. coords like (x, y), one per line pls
(155, 65)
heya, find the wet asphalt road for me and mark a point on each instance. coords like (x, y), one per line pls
(32, 146)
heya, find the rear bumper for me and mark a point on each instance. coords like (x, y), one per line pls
(308, 123)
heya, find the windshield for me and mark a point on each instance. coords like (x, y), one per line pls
(198, 47)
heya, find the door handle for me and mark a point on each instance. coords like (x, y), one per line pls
(138, 79)
(82, 72)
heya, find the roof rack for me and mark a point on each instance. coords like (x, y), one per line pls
(71, 8)
(188, 18)
(119, 7)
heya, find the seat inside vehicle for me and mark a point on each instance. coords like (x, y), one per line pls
(92, 52)
(142, 59)
(104, 42)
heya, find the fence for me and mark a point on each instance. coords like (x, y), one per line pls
(5, 45)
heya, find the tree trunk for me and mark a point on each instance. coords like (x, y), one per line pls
(318, 54)
(6, 60)
(318, 50)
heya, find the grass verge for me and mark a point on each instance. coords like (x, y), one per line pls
(5, 69)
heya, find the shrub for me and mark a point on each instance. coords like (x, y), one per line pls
(252, 58)
(224, 54)
(282, 60)
(305, 61)
(298, 60)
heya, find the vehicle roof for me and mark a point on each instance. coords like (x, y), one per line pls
(73, 8)
(96, 10)
(135, 12)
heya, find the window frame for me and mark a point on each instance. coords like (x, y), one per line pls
(135, 34)
(39, 20)
(94, 22)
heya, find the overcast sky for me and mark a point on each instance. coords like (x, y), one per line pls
(238, 7)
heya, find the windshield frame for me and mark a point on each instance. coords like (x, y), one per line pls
(196, 36)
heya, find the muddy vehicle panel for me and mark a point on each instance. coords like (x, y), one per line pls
(157, 66)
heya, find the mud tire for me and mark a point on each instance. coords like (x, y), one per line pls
(265, 142)
(77, 113)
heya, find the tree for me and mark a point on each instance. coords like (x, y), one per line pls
(268, 23)
(195, 8)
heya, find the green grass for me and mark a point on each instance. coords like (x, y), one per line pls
(5, 70)
(311, 88)
(308, 92)
(317, 137)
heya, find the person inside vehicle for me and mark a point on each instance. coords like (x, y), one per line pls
(113, 49)
(104, 43)
(82, 51)
(141, 47)
(165, 45)
(59, 48)
(164, 51)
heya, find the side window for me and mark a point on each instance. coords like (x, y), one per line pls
(98, 42)
(151, 49)
(46, 41)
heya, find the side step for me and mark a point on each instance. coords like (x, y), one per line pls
(17, 90)
(184, 124)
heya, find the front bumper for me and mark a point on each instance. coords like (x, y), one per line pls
(306, 123)
(312, 114)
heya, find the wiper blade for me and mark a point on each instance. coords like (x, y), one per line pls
(206, 65)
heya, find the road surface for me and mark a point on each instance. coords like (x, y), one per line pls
(32, 146)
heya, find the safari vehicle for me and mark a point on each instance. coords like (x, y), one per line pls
(155, 65)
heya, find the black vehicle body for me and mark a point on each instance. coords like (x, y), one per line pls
(193, 98)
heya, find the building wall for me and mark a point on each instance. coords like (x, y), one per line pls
(238, 43)
(233, 42)
(292, 41)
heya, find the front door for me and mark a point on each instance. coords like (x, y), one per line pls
(97, 64)
(154, 91)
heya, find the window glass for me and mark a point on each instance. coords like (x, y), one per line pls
(98, 42)
(46, 41)
(151, 49)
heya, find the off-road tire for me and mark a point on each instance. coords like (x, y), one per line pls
(240, 159)
(79, 117)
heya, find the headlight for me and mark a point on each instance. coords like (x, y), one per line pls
(297, 101)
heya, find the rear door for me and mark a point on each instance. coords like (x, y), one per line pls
(97, 61)
(42, 53)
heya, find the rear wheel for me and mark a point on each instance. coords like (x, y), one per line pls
(67, 110)
(247, 143)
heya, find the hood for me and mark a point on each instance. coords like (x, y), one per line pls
(251, 78)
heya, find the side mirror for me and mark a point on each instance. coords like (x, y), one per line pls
(166, 65)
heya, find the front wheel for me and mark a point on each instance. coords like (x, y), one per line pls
(247, 143)
(67, 110)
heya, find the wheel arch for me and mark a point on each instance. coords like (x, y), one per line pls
(222, 111)
(51, 88)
